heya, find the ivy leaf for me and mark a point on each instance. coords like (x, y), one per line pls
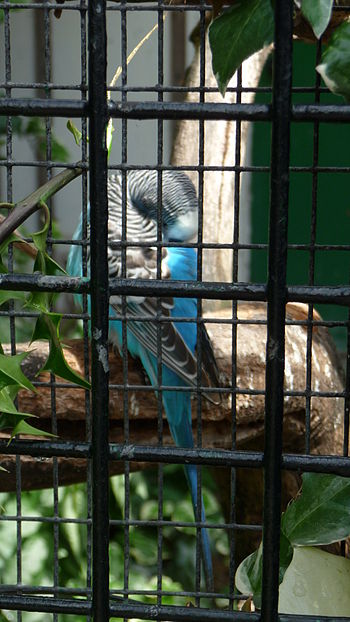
(335, 65)
(52, 267)
(42, 327)
(47, 327)
(321, 514)
(57, 364)
(243, 29)
(318, 13)
(7, 405)
(11, 373)
(11, 422)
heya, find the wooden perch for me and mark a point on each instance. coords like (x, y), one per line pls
(325, 419)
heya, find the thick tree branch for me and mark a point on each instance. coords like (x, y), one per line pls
(249, 413)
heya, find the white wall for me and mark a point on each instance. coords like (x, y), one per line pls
(66, 69)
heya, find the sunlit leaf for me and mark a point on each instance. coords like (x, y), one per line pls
(318, 13)
(316, 583)
(243, 29)
(335, 62)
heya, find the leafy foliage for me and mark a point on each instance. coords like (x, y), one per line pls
(240, 31)
(178, 543)
(335, 65)
(248, 26)
(47, 326)
(318, 13)
(320, 515)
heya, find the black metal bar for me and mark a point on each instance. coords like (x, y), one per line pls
(99, 306)
(339, 295)
(276, 305)
(140, 453)
(132, 609)
(173, 110)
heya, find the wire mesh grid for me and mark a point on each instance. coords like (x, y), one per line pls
(107, 544)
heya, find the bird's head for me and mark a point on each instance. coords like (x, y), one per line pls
(176, 194)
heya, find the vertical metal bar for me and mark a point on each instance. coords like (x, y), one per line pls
(160, 157)
(232, 534)
(276, 286)
(99, 304)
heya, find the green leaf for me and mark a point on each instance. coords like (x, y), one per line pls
(249, 572)
(316, 583)
(11, 373)
(47, 327)
(39, 238)
(57, 364)
(7, 405)
(7, 242)
(11, 422)
(6, 296)
(74, 130)
(335, 65)
(235, 35)
(249, 575)
(52, 267)
(318, 13)
(321, 514)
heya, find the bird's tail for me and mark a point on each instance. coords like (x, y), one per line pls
(178, 409)
(191, 473)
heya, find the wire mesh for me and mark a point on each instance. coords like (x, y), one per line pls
(106, 544)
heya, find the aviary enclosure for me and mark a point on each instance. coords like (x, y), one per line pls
(206, 289)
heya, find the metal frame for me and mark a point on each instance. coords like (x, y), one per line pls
(99, 603)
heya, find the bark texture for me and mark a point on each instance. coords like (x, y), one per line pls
(218, 150)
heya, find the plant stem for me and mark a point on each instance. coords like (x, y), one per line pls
(33, 202)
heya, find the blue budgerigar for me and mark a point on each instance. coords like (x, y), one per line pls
(179, 217)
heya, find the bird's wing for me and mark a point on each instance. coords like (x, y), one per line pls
(144, 315)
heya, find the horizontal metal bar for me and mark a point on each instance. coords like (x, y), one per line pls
(45, 449)
(339, 295)
(189, 110)
(43, 107)
(122, 608)
(130, 609)
(173, 110)
(339, 465)
(319, 294)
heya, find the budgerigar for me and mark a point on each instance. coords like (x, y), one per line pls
(179, 217)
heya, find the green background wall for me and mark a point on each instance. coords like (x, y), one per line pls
(333, 194)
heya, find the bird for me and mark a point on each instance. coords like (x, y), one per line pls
(177, 205)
